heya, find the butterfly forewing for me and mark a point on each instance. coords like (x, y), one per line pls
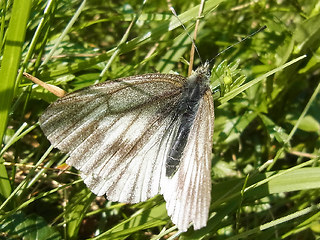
(119, 148)
(78, 110)
(188, 192)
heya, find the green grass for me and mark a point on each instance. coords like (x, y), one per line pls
(268, 109)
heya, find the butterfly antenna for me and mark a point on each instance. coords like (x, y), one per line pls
(193, 47)
(242, 40)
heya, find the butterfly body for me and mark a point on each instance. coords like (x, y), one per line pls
(136, 137)
(194, 90)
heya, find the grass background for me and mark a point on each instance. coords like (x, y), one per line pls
(266, 111)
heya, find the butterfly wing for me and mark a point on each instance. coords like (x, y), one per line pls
(117, 133)
(188, 191)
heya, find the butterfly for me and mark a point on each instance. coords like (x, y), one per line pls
(135, 137)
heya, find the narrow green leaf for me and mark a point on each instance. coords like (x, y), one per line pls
(28, 227)
(9, 68)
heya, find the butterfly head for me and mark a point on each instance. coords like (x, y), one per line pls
(203, 71)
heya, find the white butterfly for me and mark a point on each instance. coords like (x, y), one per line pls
(136, 137)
